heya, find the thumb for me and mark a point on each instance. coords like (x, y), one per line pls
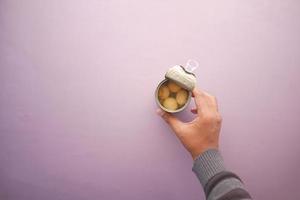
(173, 122)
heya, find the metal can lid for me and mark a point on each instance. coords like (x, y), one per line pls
(182, 76)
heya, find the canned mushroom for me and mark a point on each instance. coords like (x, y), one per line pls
(171, 97)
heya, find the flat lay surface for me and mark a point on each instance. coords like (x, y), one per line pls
(77, 106)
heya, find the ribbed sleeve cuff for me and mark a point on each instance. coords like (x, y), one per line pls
(207, 165)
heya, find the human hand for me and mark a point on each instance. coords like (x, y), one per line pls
(203, 132)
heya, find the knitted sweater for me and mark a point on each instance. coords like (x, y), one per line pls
(217, 182)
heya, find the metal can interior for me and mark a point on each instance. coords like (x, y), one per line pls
(165, 109)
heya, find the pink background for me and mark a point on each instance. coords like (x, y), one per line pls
(77, 109)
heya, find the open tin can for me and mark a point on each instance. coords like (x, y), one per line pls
(174, 93)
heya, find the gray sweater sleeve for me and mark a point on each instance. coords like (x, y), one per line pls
(217, 182)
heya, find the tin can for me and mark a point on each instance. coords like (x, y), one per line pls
(173, 94)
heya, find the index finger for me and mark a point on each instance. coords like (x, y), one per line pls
(200, 100)
(205, 102)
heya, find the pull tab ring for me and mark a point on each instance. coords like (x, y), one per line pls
(191, 65)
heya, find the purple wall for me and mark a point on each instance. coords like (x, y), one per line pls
(77, 111)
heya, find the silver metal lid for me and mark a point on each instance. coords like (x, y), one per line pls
(182, 77)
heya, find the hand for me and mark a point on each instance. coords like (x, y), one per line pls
(203, 132)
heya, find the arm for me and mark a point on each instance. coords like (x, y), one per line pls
(201, 138)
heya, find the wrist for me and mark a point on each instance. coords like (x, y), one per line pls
(199, 151)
